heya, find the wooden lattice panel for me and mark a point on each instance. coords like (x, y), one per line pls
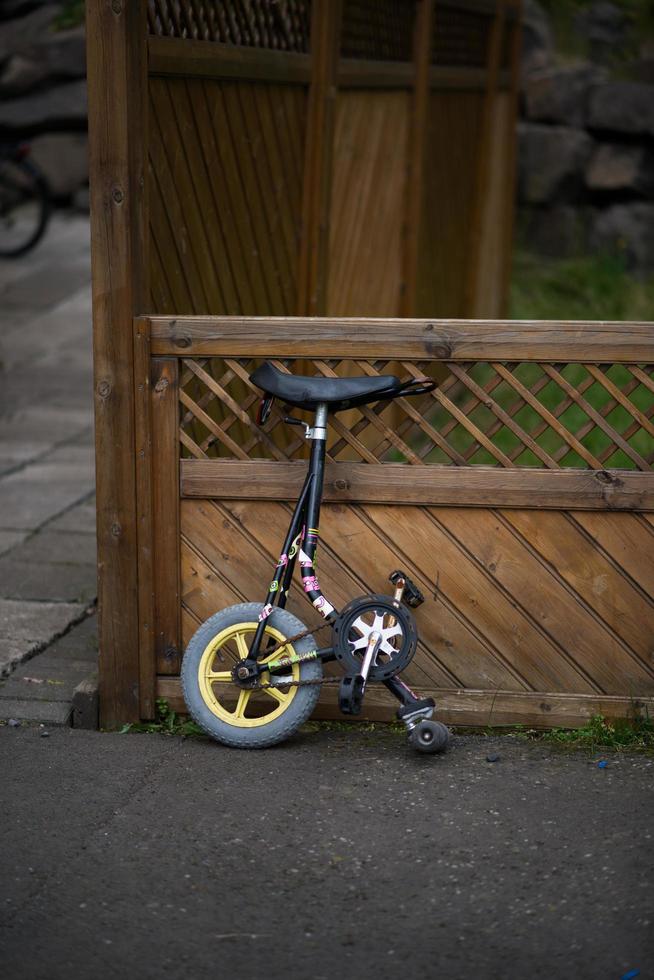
(378, 30)
(460, 37)
(509, 415)
(281, 25)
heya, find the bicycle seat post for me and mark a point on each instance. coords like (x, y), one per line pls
(317, 435)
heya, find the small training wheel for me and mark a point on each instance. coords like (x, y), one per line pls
(429, 736)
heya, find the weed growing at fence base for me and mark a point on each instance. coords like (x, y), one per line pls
(599, 733)
(167, 722)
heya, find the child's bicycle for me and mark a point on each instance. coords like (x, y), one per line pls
(252, 673)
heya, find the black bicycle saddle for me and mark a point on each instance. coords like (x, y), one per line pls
(338, 393)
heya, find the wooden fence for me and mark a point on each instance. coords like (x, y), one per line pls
(256, 164)
(519, 495)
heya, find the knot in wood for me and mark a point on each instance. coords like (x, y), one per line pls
(117, 6)
(182, 341)
(116, 529)
(117, 195)
(161, 385)
(441, 350)
(104, 389)
(341, 484)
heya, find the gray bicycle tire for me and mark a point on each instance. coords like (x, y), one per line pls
(280, 728)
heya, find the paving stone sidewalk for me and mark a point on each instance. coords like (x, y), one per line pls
(47, 509)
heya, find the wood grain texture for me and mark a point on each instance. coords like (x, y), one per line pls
(313, 270)
(193, 59)
(515, 628)
(164, 392)
(367, 204)
(116, 81)
(226, 173)
(144, 516)
(446, 217)
(474, 708)
(417, 160)
(422, 340)
(479, 486)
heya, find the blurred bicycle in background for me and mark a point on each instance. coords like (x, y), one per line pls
(24, 201)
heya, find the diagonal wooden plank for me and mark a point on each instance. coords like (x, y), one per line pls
(227, 400)
(503, 416)
(411, 413)
(548, 417)
(175, 186)
(406, 451)
(620, 397)
(597, 418)
(535, 586)
(630, 431)
(210, 424)
(603, 592)
(244, 191)
(233, 207)
(620, 538)
(191, 445)
(642, 376)
(604, 410)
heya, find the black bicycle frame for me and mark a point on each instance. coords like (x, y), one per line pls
(301, 539)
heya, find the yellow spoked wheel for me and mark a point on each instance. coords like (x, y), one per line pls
(237, 716)
(234, 705)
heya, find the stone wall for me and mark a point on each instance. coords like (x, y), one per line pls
(43, 90)
(586, 141)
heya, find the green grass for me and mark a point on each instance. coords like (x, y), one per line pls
(587, 288)
(598, 733)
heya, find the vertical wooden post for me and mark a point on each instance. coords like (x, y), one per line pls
(116, 66)
(422, 45)
(483, 159)
(314, 245)
(144, 520)
(164, 388)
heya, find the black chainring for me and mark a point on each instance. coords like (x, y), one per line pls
(396, 651)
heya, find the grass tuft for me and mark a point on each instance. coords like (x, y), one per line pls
(167, 722)
(620, 734)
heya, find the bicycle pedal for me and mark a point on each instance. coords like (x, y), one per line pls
(412, 595)
(350, 694)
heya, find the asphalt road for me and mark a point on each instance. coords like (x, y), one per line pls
(336, 855)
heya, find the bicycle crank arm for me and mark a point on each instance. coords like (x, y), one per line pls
(350, 696)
